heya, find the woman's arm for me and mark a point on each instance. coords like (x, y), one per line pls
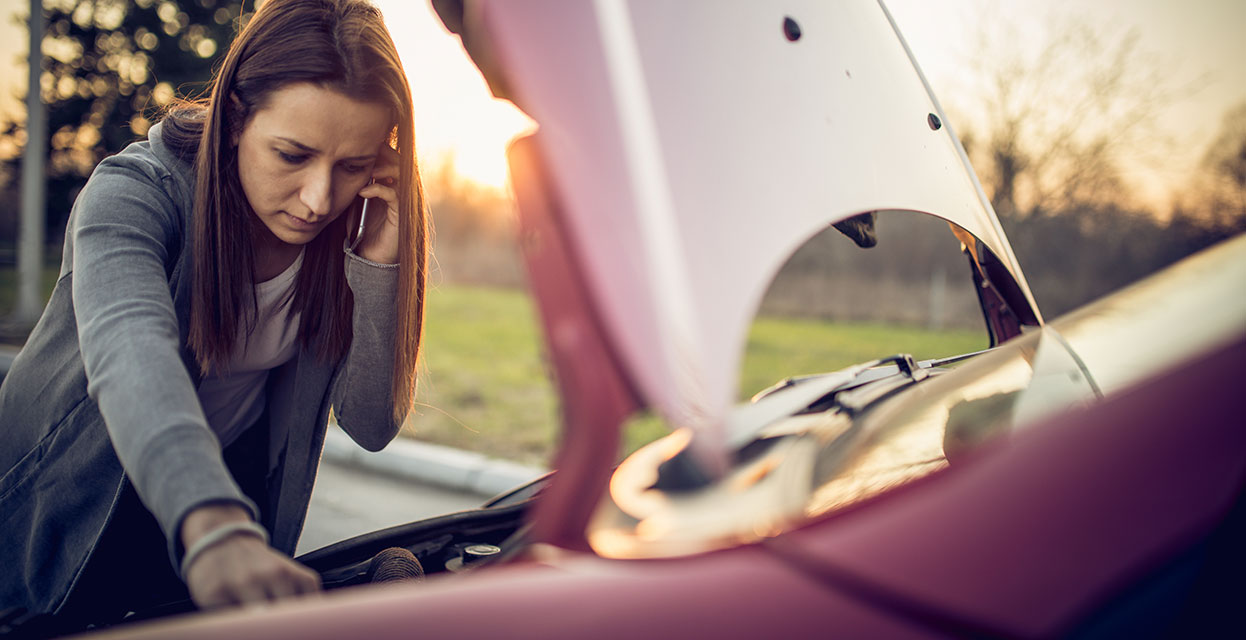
(127, 235)
(361, 391)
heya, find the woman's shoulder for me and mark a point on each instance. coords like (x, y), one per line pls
(154, 155)
(144, 166)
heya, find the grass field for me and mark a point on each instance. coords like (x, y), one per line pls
(484, 385)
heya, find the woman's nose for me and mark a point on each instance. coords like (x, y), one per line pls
(317, 192)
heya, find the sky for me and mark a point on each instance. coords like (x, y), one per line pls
(1197, 45)
(1197, 41)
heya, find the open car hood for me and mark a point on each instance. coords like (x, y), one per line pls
(684, 151)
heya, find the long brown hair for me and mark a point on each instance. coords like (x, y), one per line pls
(341, 45)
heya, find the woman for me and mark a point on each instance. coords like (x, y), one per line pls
(165, 419)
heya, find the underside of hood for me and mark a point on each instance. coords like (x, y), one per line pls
(689, 148)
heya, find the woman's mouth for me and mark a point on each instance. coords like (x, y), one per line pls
(299, 223)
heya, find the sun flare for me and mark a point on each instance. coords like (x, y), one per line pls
(457, 120)
(478, 152)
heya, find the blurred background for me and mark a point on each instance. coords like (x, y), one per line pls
(1110, 137)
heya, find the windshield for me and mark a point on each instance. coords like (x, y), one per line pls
(931, 425)
(861, 440)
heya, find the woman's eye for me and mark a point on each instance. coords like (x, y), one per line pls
(355, 168)
(291, 158)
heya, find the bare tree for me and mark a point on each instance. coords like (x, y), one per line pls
(1225, 162)
(1058, 106)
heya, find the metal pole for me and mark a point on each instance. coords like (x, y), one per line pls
(30, 249)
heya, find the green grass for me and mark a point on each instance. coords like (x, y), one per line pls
(484, 385)
(784, 347)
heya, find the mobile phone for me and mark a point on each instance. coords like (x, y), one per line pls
(363, 220)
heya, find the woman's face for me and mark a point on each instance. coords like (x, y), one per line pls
(304, 156)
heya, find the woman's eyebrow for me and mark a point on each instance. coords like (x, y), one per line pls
(302, 147)
(296, 143)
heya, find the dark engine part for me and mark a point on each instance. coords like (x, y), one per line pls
(433, 543)
(393, 565)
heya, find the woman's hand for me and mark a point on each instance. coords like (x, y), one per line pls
(242, 568)
(380, 238)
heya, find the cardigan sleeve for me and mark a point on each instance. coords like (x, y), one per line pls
(126, 235)
(361, 390)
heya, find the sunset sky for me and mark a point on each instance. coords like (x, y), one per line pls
(1197, 41)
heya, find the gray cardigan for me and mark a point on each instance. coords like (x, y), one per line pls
(104, 392)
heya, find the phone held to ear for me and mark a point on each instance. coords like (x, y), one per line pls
(363, 220)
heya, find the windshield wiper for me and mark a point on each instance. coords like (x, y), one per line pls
(793, 396)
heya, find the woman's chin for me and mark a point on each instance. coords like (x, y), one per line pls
(287, 229)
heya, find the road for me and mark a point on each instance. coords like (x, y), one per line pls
(347, 502)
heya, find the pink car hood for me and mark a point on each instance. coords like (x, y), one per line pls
(689, 148)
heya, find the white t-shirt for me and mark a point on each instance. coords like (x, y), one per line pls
(234, 399)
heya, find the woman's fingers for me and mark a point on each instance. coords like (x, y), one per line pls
(382, 189)
(302, 580)
(380, 241)
(380, 238)
(245, 593)
(242, 569)
(288, 579)
(384, 192)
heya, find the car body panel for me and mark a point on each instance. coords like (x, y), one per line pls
(1045, 525)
